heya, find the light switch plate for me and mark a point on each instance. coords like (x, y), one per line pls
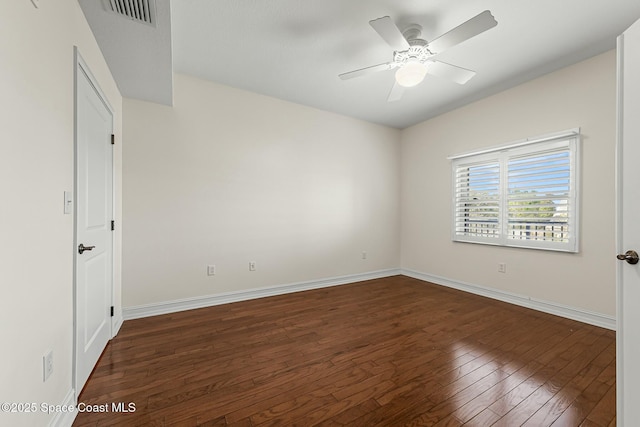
(68, 202)
(47, 365)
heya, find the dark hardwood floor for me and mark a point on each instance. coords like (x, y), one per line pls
(389, 352)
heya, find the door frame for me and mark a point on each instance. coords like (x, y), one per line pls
(80, 66)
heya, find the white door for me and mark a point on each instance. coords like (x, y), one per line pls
(628, 227)
(94, 212)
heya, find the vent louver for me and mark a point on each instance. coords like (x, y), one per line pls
(136, 10)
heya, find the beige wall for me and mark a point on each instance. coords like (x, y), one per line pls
(226, 177)
(36, 167)
(582, 95)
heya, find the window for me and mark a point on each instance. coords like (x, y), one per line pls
(524, 194)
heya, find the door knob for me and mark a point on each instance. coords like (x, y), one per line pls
(82, 248)
(630, 256)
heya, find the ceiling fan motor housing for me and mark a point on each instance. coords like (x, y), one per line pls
(412, 32)
(418, 50)
(416, 53)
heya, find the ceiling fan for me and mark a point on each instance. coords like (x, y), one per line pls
(413, 56)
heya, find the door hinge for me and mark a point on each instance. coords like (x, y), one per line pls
(111, 311)
(113, 225)
(113, 139)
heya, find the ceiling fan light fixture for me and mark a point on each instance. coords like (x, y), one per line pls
(411, 73)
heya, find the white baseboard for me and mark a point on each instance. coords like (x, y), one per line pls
(65, 419)
(581, 315)
(116, 325)
(155, 309)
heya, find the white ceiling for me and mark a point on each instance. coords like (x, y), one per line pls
(294, 50)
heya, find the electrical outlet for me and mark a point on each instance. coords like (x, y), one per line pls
(364, 255)
(211, 270)
(47, 365)
(502, 267)
(252, 266)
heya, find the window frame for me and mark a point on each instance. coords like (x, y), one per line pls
(569, 140)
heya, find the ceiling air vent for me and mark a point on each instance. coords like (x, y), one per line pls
(136, 10)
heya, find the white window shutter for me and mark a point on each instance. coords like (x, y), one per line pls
(523, 195)
(477, 200)
(539, 196)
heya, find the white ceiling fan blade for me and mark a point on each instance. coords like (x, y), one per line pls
(390, 33)
(396, 92)
(451, 72)
(474, 26)
(367, 70)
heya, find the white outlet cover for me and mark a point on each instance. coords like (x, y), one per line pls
(211, 270)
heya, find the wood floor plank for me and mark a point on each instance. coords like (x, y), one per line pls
(485, 418)
(576, 376)
(467, 411)
(385, 352)
(580, 408)
(605, 411)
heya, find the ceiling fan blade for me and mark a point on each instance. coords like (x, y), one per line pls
(474, 26)
(396, 92)
(451, 72)
(367, 70)
(390, 33)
